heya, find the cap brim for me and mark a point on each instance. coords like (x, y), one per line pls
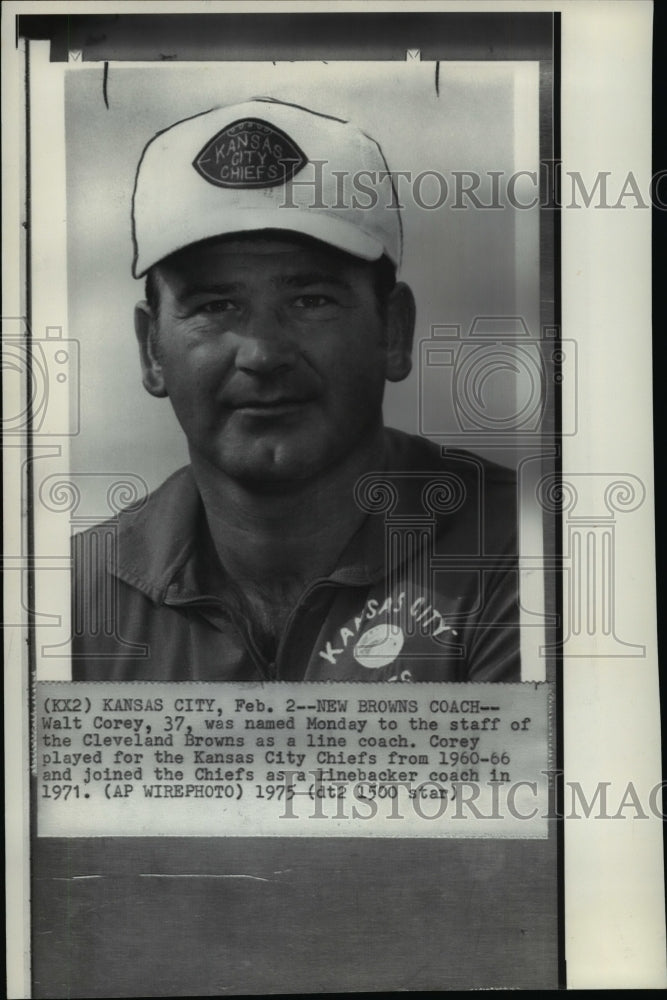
(336, 232)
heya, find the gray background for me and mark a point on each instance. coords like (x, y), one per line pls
(460, 263)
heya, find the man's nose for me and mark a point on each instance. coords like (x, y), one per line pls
(265, 344)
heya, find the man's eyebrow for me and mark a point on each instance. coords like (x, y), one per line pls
(298, 280)
(303, 280)
(219, 288)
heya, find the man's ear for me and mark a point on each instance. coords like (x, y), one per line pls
(400, 332)
(145, 328)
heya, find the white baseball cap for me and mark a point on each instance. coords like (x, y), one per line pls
(260, 165)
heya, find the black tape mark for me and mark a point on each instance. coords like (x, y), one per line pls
(105, 81)
(437, 78)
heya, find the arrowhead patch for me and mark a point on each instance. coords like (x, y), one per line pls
(249, 153)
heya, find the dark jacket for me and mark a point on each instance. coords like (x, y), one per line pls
(426, 590)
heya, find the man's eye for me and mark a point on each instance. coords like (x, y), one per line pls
(216, 306)
(313, 301)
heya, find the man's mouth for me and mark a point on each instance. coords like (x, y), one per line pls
(269, 407)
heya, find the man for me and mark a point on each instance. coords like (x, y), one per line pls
(304, 541)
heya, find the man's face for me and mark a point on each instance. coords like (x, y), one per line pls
(274, 355)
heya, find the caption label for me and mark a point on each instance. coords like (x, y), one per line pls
(311, 760)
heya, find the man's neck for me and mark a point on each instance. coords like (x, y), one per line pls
(296, 531)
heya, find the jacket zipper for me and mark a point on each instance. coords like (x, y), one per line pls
(315, 585)
(268, 671)
(262, 666)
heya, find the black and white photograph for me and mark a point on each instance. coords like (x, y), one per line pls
(307, 535)
(313, 557)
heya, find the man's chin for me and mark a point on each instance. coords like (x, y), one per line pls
(280, 462)
(273, 469)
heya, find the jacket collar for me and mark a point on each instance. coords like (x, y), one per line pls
(164, 548)
(158, 538)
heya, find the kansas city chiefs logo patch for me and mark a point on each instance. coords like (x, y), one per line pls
(249, 153)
